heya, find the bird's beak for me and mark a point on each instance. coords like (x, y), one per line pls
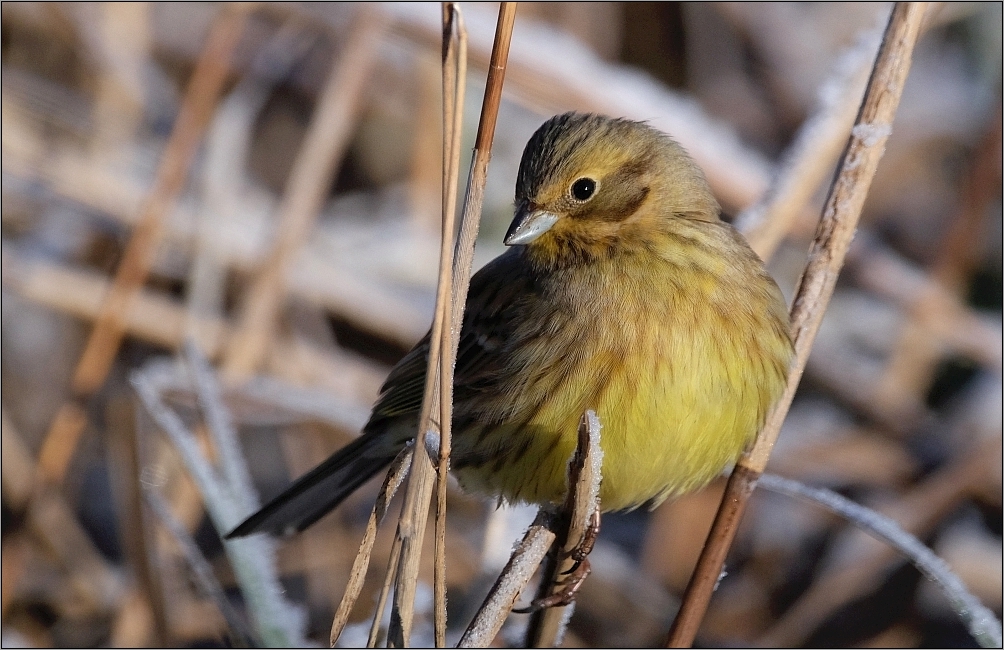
(529, 224)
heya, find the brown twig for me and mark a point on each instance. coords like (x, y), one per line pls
(454, 85)
(324, 144)
(567, 527)
(523, 563)
(200, 99)
(826, 255)
(415, 509)
(547, 625)
(361, 563)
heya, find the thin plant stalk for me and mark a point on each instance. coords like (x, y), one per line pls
(513, 579)
(454, 85)
(547, 626)
(388, 584)
(416, 505)
(278, 623)
(202, 571)
(361, 563)
(826, 256)
(566, 526)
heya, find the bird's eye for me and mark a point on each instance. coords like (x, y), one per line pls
(583, 189)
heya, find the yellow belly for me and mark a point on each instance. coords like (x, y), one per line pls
(680, 384)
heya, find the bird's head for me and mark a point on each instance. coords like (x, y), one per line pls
(590, 186)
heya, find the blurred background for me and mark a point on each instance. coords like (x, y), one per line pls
(289, 225)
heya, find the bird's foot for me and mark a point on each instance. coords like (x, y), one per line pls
(575, 575)
(585, 545)
(570, 586)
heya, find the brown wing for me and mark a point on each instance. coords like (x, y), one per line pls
(490, 320)
(492, 314)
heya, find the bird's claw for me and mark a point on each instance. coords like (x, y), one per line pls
(566, 596)
(576, 575)
(585, 546)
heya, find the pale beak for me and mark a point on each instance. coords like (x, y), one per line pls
(528, 224)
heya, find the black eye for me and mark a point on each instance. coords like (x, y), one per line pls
(583, 189)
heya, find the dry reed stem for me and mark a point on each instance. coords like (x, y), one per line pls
(547, 626)
(523, 563)
(454, 86)
(474, 197)
(324, 144)
(360, 564)
(414, 513)
(826, 255)
(388, 584)
(99, 352)
(415, 510)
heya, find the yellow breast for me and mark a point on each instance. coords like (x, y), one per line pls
(679, 361)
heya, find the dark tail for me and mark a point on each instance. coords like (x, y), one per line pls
(320, 489)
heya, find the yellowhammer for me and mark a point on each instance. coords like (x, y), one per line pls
(622, 292)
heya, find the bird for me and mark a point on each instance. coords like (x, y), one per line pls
(622, 291)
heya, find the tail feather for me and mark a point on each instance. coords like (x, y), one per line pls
(321, 489)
